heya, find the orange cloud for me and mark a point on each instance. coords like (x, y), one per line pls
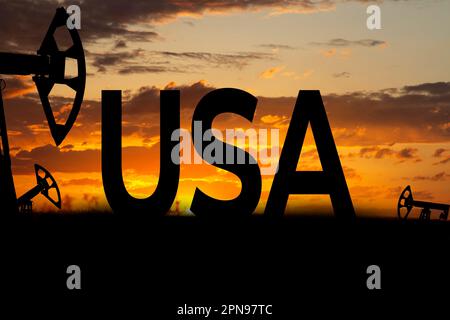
(270, 119)
(270, 73)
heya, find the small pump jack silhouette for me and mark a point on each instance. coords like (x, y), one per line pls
(406, 201)
(45, 183)
(48, 69)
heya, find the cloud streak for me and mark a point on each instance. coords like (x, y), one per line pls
(130, 62)
(441, 176)
(343, 74)
(376, 152)
(340, 42)
(233, 60)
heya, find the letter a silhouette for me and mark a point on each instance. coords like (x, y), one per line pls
(309, 108)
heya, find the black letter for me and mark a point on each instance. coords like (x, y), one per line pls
(211, 105)
(118, 197)
(309, 108)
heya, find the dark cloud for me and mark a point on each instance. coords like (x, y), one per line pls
(339, 42)
(56, 160)
(383, 153)
(439, 152)
(441, 176)
(367, 152)
(377, 117)
(408, 117)
(146, 100)
(407, 153)
(13, 86)
(233, 60)
(120, 44)
(22, 113)
(15, 83)
(104, 61)
(377, 152)
(436, 88)
(129, 62)
(151, 69)
(24, 22)
(444, 161)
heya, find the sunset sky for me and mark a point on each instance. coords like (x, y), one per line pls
(386, 92)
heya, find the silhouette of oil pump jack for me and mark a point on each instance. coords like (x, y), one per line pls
(406, 201)
(45, 183)
(48, 69)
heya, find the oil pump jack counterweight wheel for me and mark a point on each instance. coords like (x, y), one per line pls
(45, 83)
(44, 184)
(48, 69)
(405, 202)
